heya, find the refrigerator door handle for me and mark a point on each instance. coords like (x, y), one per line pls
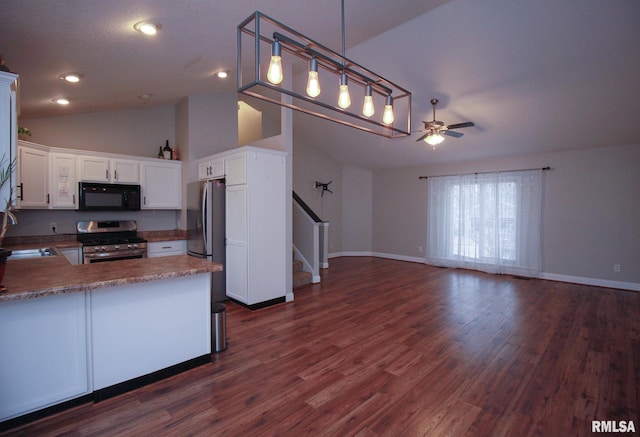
(205, 195)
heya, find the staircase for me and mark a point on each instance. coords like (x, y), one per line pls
(310, 242)
(300, 277)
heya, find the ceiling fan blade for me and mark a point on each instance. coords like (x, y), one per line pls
(423, 137)
(459, 125)
(453, 134)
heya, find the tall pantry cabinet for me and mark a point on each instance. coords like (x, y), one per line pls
(256, 225)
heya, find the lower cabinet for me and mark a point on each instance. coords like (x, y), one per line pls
(159, 324)
(44, 359)
(61, 347)
(157, 249)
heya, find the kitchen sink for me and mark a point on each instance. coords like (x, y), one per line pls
(31, 253)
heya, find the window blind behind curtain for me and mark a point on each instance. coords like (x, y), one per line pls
(488, 221)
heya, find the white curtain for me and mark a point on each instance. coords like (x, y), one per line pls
(489, 222)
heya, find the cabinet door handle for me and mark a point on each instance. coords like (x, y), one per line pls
(48, 198)
(21, 191)
(144, 200)
(106, 172)
(115, 174)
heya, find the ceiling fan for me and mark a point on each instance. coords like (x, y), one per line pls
(434, 130)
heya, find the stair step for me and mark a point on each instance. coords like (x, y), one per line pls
(297, 265)
(301, 278)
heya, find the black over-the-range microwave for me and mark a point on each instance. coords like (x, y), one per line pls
(108, 197)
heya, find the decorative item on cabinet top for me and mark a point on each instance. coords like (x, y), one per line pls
(168, 152)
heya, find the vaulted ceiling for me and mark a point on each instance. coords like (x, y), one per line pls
(534, 76)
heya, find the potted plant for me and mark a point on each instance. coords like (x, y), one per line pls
(6, 168)
(23, 132)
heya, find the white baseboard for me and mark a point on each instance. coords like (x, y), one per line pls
(632, 286)
(606, 283)
(412, 259)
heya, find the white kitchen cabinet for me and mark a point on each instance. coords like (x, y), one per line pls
(93, 169)
(33, 176)
(8, 132)
(157, 249)
(64, 188)
(125, 171)
(72, 254)
(211, 169)
(48, 363)
(236, 242)
(256, 225)
(142, 328)
(235, 169)
(96, 168)
(161, 185)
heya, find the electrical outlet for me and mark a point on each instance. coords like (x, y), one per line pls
(52, 226)
(616, 268)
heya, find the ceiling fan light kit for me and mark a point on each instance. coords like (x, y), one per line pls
(268, 46)
(435, 130)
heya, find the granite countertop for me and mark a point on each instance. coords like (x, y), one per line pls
(62, 241)
(45, 276)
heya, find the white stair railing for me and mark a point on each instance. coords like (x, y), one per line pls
(310, 239)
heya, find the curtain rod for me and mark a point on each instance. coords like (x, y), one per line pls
(485, 172)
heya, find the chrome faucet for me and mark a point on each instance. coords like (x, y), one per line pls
(12, 218)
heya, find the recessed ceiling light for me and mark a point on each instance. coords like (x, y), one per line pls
(71, 77)
(61, 101)
(222, 74)
(145, 96)
(147, 28)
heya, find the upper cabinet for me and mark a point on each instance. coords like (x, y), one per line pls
(32, 176)
(236, 169)
(211, 168)
(161, 185)
(102, 169)
(48, 177)
(64, 186)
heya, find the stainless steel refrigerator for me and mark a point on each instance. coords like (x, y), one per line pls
(206, 229)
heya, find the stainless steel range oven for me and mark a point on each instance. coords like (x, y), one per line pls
(110, 241)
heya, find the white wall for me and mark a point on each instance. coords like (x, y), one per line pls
(213, 123)
(357, 209)
(591, 215)
(311, 165)
(138, 132)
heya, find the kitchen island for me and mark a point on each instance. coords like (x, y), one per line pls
(86, 332)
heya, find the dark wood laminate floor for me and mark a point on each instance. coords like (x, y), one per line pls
(391, 348)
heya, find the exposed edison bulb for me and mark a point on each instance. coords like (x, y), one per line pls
(313, 84)
(344, 99)
(387, 117)
(367, 109)
(274, 74)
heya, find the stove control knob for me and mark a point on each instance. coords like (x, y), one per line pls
(116, 247)
(129, 246)
(103, 249)
(96, 249)
(135, 246)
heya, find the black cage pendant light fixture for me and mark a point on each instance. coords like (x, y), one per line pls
(280, 65)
